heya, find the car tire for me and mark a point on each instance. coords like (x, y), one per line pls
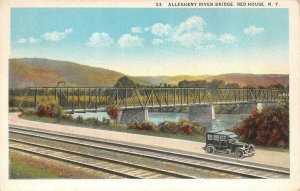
(239, 154)
(252, 152)
(210, 149)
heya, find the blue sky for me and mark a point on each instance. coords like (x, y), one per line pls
(156, 41)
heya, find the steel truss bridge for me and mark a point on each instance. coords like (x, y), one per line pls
(98, 98)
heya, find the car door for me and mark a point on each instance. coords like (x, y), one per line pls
(216, 141)
(223, 142)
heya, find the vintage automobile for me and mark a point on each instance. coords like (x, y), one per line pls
(227, 142)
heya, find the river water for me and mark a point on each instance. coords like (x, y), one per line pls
(221, 122)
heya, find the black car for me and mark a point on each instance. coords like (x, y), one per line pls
(227, 142)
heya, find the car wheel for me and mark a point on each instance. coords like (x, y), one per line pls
(239, 154)
(252, 152)
(210, 149)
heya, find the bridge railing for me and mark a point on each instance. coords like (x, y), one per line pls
(72, 98)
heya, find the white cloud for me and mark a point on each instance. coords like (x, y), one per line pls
(209, 37)
(253, 30)
(157, 41)
(100, 40)
(190, 33)
(160, 29)
(136, 30)
(32, 40)
(68, 30)
(56, 36)
(190, 39)
(22, 41)
(227, 38)
(128, 40)
(192, 24)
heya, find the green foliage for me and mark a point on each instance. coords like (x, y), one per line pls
(67, 117)
(79, 120)
(127, 81)
(49, 109)
(146, 125)
(214, 84)
(93, 121)
(198, 83)
(14, 109)
(19, 169)
(277, 86)
(105, 121)
(28, 112)
(231, 85)
(270, 127)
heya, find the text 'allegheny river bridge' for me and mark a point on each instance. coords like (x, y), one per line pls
(135, 101)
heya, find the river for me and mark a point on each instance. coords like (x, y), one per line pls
(221, 122)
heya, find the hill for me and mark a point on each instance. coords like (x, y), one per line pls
(26, 72)
(254, 80)
(44, 72)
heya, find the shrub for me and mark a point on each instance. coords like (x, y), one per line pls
(28, 112)
(169, 127)
(93, 121)
(49, 110)
(147, 126)
(105, 121)
(181, 127)
(270, 127)
(14, 109)
(67, 117)
(113, 112)
(79, 120)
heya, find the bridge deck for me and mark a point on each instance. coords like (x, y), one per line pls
(161, 106)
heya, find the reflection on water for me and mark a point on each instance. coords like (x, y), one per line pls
(221, 122)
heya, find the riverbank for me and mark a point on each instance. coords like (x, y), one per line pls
(262, 156)
(112, 127)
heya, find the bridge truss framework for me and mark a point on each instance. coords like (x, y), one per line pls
(98, 98)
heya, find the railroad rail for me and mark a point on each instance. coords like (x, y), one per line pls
(232, 167)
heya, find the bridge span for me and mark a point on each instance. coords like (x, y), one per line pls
(137, 100)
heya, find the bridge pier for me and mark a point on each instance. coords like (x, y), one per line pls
(260, 106)
(202, 114)
(129, 115)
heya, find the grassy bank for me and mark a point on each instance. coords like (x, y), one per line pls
(112, 127)
(18, 169)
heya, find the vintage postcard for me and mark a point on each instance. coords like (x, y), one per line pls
(188, 95)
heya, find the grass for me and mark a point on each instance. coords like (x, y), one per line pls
(20, 170)
(115, 127)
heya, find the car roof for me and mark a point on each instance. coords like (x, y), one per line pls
(220, 132)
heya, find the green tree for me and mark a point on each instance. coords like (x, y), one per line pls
(277, 86)
(125, 81)
(215, 84)
(232, 85)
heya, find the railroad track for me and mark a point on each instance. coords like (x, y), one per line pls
(240, 170)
